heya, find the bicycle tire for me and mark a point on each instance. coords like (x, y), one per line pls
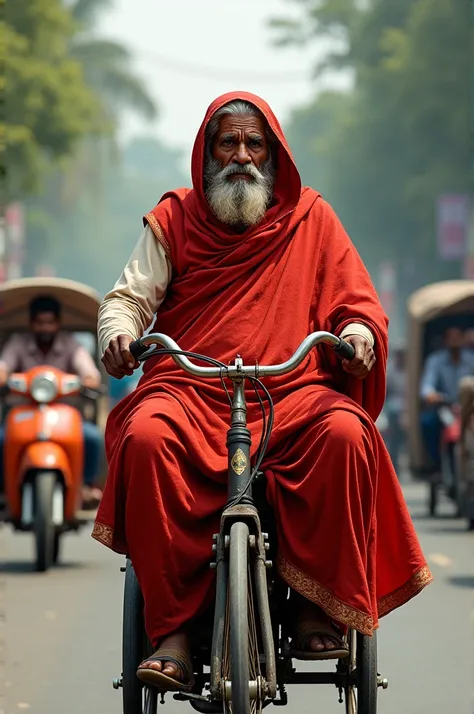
(239, 624)
(433, 499)
(135, 698)
(367, 687)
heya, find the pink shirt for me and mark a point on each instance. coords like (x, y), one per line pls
(21, 353)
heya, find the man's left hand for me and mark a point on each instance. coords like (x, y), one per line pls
(364, 358)
(90, 382)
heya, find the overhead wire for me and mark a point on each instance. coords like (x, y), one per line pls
(193, 69)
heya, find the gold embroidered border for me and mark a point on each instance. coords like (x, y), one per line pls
(323, 597)
(158, 231)
(104, 534)
(420, 580)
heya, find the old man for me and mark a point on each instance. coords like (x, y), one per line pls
(249, 262)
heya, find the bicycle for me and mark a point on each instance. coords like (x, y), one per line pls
(248, 652)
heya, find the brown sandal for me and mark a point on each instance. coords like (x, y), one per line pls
(163, 682)
(308, 629)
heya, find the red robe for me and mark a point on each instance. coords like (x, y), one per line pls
(346, 540)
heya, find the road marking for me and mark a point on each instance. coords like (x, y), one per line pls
(23, 705)
(439, 559)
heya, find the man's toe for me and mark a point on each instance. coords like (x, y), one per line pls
(171, 670)
(316, 644)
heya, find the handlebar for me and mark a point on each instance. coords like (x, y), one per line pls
(141, 350)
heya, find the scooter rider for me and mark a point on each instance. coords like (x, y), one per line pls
(45, 344)
(442, 374)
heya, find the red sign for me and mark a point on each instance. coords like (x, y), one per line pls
(453, 226)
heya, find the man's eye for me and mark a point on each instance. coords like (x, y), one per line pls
(227, 142)
(254, 143)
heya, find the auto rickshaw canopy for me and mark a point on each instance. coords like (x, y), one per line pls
(80, 303)
(431, 310)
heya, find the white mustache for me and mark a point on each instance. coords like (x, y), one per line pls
(236, 168)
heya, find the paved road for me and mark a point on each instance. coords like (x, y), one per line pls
(61, 631)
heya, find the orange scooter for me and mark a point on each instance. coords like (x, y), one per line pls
(43, 458)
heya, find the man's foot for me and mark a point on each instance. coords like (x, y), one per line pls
(170, 667)
(91, 497)
(315, 635)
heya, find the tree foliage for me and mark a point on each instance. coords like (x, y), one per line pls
(107, 65)
(91, 245)
(384, 152)
(47, 106)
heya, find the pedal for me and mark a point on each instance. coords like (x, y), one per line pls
(190, 697)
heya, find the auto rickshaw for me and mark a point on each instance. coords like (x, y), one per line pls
(431, 310)
(42, 412)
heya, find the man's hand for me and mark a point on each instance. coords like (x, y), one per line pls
(3, 376)
(364, 358)
(91, 382)
(117, 359)
(434, 398)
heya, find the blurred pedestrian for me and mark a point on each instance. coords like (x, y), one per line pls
(395, 404)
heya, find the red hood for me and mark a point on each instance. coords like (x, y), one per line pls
(288, 183)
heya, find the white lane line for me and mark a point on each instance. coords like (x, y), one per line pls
(439, 559)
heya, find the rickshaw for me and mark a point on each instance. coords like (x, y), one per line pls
(431, 310)
(242, 656)
(42, 412)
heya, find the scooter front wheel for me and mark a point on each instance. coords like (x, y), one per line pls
(45, 482)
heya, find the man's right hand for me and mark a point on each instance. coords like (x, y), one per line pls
(434, 398)
(3, 376)
(117, 359)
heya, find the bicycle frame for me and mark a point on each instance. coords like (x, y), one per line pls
(239, 444)
(240, 506)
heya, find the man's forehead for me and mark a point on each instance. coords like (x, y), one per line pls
(245, 122)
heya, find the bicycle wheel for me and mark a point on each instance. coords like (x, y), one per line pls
(433, 498)
(239, 625)
(241, 673)
(361, 692)
(137, 699)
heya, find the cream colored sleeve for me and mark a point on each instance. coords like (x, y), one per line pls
(356, 328)
(129, 307)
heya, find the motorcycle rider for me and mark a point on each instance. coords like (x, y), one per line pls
(46, 344)
(442, 373)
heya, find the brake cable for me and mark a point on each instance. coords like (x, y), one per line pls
(267, 427)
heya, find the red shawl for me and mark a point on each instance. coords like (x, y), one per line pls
(257, 294)
(262, 292)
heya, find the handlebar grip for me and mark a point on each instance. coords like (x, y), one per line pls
(345, 350)
(137, 348)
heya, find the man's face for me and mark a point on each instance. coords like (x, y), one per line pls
(239, 171)
(453, 339)
(241, 140)
(469, 338)
(45, 326)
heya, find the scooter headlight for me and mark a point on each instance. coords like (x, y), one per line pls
(44, 388)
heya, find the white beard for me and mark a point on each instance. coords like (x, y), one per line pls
(239, 202)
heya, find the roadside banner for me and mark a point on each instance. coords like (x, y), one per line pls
(453, 217)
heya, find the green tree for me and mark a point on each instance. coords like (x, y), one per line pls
(85, 249)
(107, 65)
(387, 149)
(79, 186)
(47, 106)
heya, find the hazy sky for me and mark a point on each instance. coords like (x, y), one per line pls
(228, 36)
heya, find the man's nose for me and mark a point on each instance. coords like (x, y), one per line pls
(242, 155)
